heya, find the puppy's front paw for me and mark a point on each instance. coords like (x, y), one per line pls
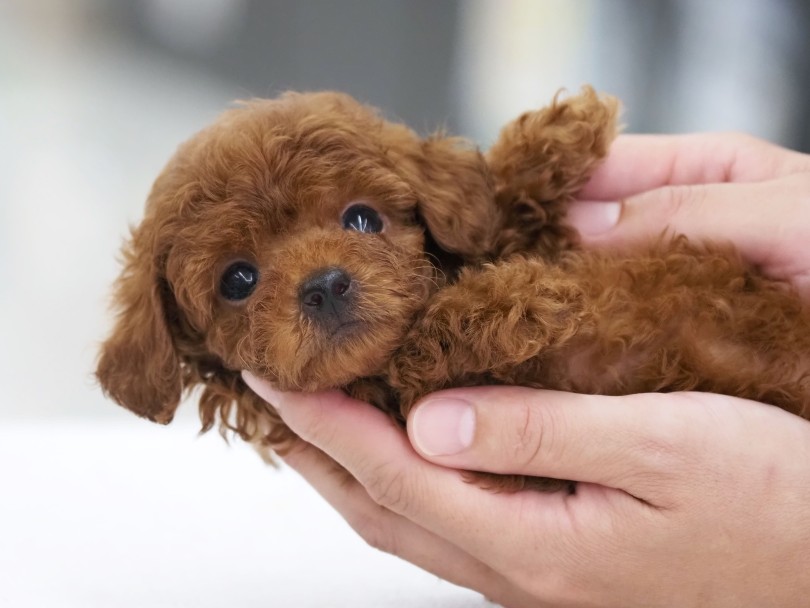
(423, 363)
(481, 329)
(451, 345)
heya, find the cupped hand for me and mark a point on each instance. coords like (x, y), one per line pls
(693, 500)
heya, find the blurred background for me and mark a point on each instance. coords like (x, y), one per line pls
(100, 508)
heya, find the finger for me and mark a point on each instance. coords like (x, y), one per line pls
(637, 163)
(368, 445)
(393, 533)
(644, 445)
(756, 218)
(379, 456)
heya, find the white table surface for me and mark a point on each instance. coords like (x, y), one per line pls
(119, 514)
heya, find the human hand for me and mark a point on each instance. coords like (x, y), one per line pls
(694, 500)
(722, 187)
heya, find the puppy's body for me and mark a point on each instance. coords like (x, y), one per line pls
(672, 317)
(313, 243)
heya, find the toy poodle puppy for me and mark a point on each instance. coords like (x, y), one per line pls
(317, 245)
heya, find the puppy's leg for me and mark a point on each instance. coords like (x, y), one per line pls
(483, 327)
(540, 161)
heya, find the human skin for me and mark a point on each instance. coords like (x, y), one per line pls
(684, 499)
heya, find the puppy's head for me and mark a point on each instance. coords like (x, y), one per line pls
(296, 238)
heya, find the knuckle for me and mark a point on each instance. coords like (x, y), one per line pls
(669, 442)
(680, 200)
(534, 434)
(388, 486)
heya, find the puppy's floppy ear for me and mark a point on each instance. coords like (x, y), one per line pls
(455, 191)
(138, 366)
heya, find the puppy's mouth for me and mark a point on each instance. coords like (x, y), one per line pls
(344, 329)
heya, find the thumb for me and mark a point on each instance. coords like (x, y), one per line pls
(634, 443)
(755, 217)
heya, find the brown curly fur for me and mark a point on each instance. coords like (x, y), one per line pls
(475, 280)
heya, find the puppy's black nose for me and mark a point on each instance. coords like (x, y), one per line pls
(325, 295)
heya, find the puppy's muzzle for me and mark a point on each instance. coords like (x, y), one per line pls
(327, 298)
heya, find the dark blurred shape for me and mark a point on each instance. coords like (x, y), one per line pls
(395, 54)
(800, 59)
(692, 65)
(679, 65)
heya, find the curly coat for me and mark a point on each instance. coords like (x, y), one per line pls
(475, 278)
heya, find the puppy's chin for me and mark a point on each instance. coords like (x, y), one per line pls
(353, 351)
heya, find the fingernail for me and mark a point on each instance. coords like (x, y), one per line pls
(593, 218)
(263, 389)
(441, 427)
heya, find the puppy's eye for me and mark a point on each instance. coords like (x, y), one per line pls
(238, 281)
(362, 218)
